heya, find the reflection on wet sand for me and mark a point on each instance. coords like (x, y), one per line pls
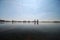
(29, 32)
(13, 33)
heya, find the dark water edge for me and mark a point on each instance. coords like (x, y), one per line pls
(18, 33)
(29, 36)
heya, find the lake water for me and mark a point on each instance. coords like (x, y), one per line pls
(29, 31)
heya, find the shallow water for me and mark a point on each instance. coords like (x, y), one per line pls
(30, 31)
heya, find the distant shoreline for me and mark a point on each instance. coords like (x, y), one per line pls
(35, 21)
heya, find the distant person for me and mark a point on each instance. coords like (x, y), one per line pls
(37, 21)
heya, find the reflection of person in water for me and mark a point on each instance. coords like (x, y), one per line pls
(37, 21)
(12, 21)
(34, 21)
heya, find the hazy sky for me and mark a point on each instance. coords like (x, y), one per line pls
(30, 9)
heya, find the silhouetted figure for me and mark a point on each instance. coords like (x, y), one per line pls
(12, 21)
(34, 21)
(37, 21)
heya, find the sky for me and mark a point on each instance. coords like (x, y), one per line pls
(30, 9)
